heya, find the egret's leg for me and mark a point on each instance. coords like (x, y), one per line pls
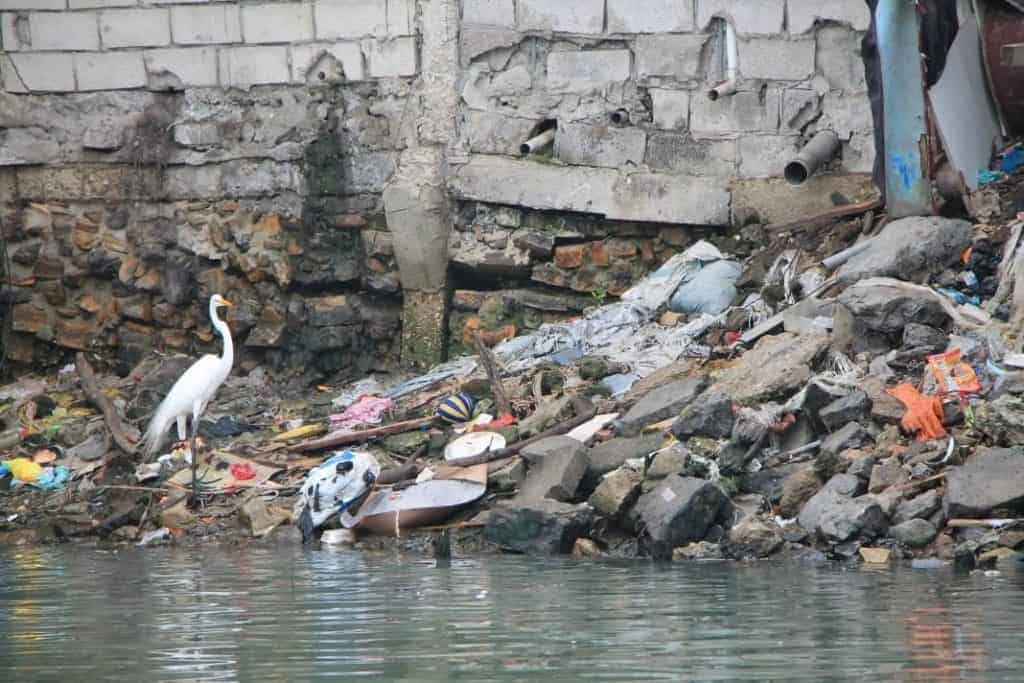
(195, 461)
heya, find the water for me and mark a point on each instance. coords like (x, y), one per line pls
(76, 614)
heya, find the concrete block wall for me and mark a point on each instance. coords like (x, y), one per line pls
(651, 64)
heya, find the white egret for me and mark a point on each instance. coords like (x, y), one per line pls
(192, 392)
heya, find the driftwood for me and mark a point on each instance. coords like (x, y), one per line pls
(332, 440)
(585, 411)
(110, 414)
(487, 359)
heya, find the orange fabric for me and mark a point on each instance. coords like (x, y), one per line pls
(924, 413)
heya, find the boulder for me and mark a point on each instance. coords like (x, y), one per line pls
(846, 484)
(798, 488)
(884, 408)
(613, 454)
(662, 403)
(992, 478)
(921, 507)
(924, 339)
(885, 474)
(617, 492)
(544, 527)
(828, 460)
(888, 306)
(667, 462)
(1002, 420)
(754, 537)
(777, 367)
(556, 468)
(853, 407)
(710, 415)
(702, 550)
(915, 533)
(680, 510)
(837, 518)
(909, 248)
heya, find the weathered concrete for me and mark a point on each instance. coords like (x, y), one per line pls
(909, 248)
(660, 404)
(556, 468)
(544, 527)
(991, 479)
(680, 510)
(617, 492)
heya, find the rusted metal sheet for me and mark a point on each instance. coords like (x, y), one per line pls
(1003, 41)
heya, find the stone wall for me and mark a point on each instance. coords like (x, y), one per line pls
(338, 166)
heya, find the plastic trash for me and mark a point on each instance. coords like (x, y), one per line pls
(1012, 160)
(28, 472)
(368, 410)
(924, 413)
(952, 374)
(986, 176)
(473, 444)
(154, 537)
(656, 289)
(711, 290)
(334, 486)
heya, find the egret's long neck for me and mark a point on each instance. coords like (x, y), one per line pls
(228, 357)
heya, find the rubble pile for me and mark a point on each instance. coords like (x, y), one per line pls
(857, 397)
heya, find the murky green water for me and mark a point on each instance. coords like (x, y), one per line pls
(76, 614)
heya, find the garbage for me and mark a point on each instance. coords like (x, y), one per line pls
(924, 413)
(711, 290)
(338, 537)
(340, 482)
(157, 536)
(368, 410)
(473, 444)
(953, 375)
(457, 408)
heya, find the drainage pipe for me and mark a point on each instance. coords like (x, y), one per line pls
(818, 151)
(537, 142)
(728, 86)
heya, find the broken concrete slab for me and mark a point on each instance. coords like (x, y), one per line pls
(909, 248)
(614, 453)
(617, 492)
(837, 518)
(921, 507)
(776, 367)
(853, 407)
(680, 510)
(544, 526)
(660, 404)
(710, 415)
(887, 307)
(556, 468)
(993, 478)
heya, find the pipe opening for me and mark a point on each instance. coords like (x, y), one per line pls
(796, 173)
(818, 152)
(620, 117)
(542, 135)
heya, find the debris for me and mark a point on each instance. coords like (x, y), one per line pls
(544, 527)
(617, 492)
(924, 413)
(588, 430)
(457, 408)
(332, 440)
(337, 484)
(875, 555)
(258, 517)
(680, 510)
(556, 468)
(473, 444)
(754, 537)
(125, 439)
(156, 537)
(303, 432)
(908, 248)
(585, 548)
(368, 410)
(338, 537)
(661, 403)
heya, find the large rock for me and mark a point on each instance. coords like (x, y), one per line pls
(754, 537)
(613, 454)
(888, 306)
(541, 527)
(556, 468)
(885, 474)
(910, 248)
(915, 533)
(617, 492)
(846, 484)
(710, 415)
(1002, 420)
(921, 507)
(923, 339)
(662, 403)
(798, 488)
(853, 407)
(837, 518)
(776, 368)
(993, 478)
(680, 510)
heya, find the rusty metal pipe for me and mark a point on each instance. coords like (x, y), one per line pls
(822, 147)
(728, 86)
(537, 142)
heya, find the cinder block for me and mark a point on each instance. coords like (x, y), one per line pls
(350, 18)
(491, 133)
(489, 12)
(32, 4)
(603, 145)
(110, 70)
(680, 153)
(846, 114)
(391, 58)
(764, 156)
(569, 16)
(244, 67)
(649, 16)
(744, 112)
(583, 71)
(98, 4)
(799, 107)
(776, 59)
(671, 108)
(803, 14)
(839, 59)
(401, 17)
(39, 72)
(135, 28)
(308, 61)
(677, 56)
(178, 68)
(858, 153)
(64, 31)
(206, 25)
(277, 23)
(13, 27)
(760, 17)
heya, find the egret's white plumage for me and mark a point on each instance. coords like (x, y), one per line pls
(194, 389)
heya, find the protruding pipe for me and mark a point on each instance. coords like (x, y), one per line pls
(620, 117)
(818, 151)
(728, 86)
(537, 142)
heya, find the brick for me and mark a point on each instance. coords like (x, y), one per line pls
(178, 68)
(490, 133)
(838, 58)
(242, 67)
(110, 70)
(671, 108)
(393, 57)
(669, 55)
(601, 145)
(803, 14)
(39, 72)
(205, 25)
(135, 28)
(680, 153)
(350, 18)
(98, 4)
(587, 70)
(569, 256)
(401, 16)
(572, 16)
(277, 23)
(309, 61)
(764, 156)
(776, 59)
(743, 112)
(650, 16)
(598, 254)
(489, 12)
(763, 17)
(64, 31)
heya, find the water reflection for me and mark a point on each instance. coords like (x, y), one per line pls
(225, 614)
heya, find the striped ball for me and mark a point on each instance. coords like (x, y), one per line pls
(457, 408)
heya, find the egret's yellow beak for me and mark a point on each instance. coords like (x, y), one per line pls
(225, 302)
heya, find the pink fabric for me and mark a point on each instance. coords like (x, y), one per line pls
(368, 410)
